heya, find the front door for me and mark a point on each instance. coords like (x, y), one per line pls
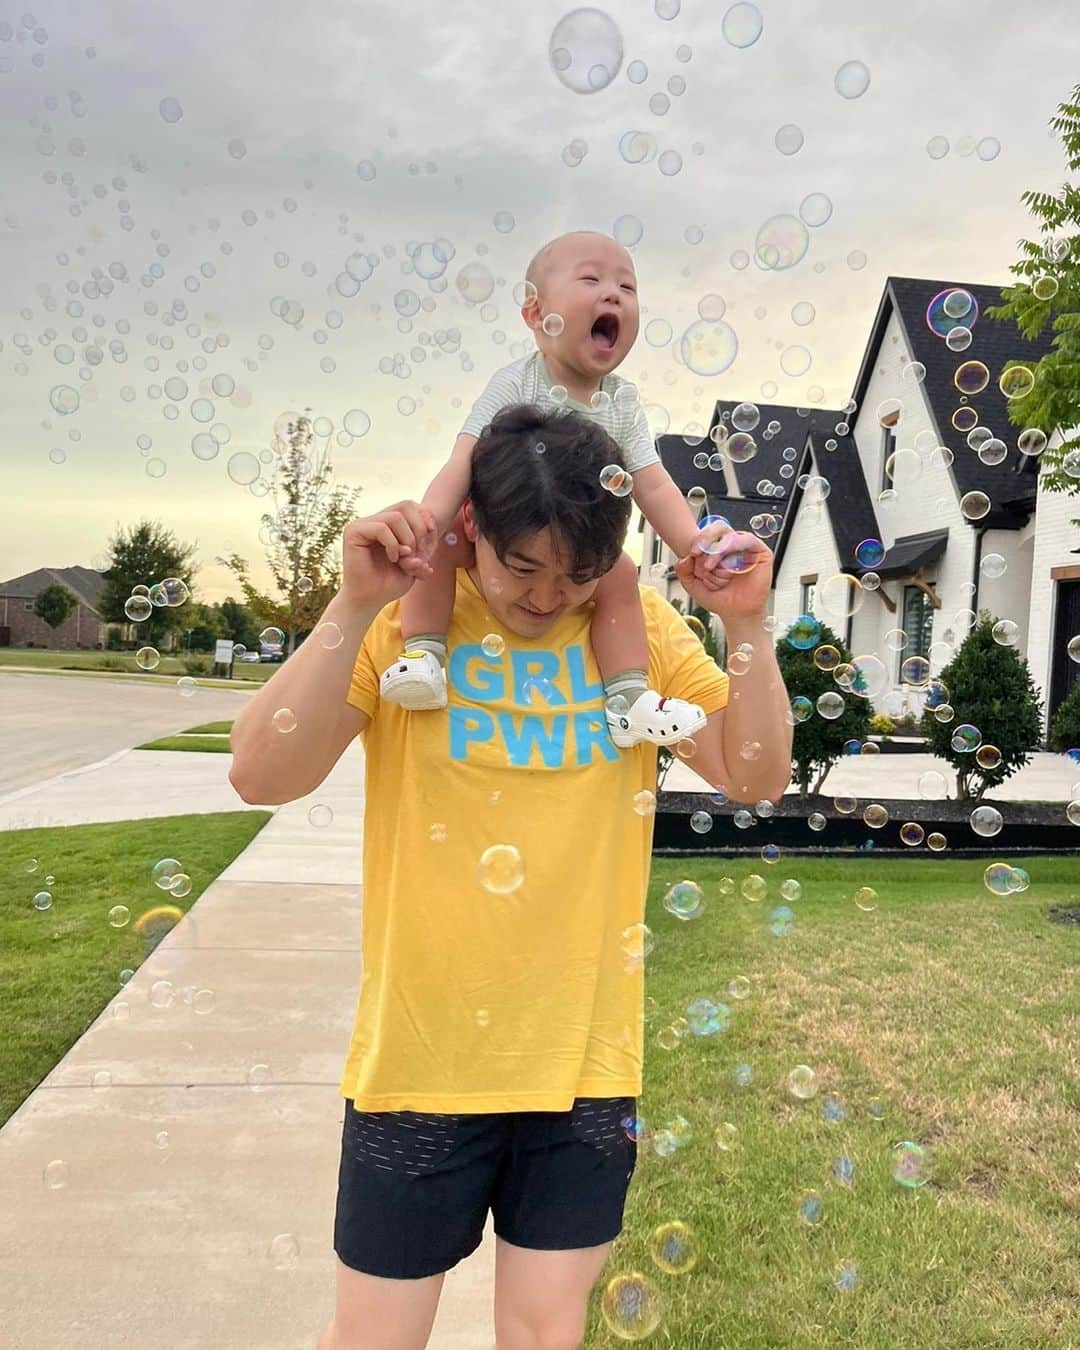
(1064, 672)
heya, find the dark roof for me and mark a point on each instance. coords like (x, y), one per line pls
(1012, 484)
(677, 456)
(848, 505)
(770, 452)
(83, 582)
(911, 552)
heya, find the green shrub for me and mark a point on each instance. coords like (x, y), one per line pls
(197, 665)
(818, 742)
(1065, 728)
(113, 642)
(881, 724)
(990, 687)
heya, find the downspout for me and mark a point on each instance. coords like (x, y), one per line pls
(976, 566)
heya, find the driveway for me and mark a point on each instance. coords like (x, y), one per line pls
(53, 724)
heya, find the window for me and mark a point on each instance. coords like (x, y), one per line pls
(807, 598)
(657, 548)
(28, 605)
(918, 623)
(888, 445)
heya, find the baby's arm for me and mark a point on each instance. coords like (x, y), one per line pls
(450, 486)
(665, 508)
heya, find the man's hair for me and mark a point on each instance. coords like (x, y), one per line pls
(518, 489)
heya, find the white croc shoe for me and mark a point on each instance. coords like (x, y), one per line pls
(663, 721)
(415, 681)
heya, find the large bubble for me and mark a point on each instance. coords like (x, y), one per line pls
(586, 50)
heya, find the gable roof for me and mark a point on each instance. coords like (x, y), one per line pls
(1010, 485)
(83, 582)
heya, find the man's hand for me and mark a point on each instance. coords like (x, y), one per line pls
(382, 555)
(731, 595)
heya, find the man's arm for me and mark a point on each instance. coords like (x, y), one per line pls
(381, 557)
(271, 766)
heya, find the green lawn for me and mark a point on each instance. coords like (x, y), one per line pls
(168, 670)
(961, 1011)
(212, 736)
(188, 742)
(59, 967)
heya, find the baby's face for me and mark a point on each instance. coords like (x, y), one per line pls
(590, 282)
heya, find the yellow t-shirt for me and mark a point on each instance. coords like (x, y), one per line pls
(476, 1001)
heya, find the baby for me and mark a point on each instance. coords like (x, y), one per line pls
(582, 306)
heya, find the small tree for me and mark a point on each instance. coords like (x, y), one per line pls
(1065, 728)
(145, 555)
(54, 604)
(990, 688)
(818, 742)
(1048, 295)
(305, 536)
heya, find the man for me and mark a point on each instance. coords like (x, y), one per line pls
(497, 1046)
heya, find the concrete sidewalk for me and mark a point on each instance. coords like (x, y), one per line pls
(199, 1199)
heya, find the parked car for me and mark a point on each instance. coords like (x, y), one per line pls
(251, 658)
(271, 651)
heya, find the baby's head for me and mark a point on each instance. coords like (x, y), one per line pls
(588, 281)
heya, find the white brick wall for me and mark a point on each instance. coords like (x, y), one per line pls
(1055, 538)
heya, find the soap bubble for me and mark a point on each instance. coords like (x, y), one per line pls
(586, 50)
(802, 1082)
(674, 1248)
(986, 821)
(852, 80)
(501, 869)
(910, 1166)
(685, 899)
(708, 347)
(742, 25)
(631, 1306)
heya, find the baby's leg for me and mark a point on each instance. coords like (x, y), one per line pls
(618, 632)
(427, 605)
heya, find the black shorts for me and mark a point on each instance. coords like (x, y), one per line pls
(414, 1189)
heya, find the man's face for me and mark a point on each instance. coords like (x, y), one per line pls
(534, 587)
(589, 281)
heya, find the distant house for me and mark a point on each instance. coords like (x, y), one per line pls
(83, 628)
(901, 480)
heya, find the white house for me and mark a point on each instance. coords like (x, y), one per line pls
(959, 531)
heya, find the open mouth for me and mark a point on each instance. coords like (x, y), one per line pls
(605, 331)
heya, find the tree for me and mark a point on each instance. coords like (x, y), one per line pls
(1049, 294)
(1065, 728)
(239, 623)
(989, 688)
(304, 538)
(54, 604)
(146, 556)
(818, 742)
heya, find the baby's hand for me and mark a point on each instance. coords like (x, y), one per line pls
(706, 563)
(707, 570)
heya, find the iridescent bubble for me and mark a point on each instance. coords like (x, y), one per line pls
(910, 1166)
(586, 50)
(616, 480)
(753, 888)
(810, 1208)
(138, 608)
(852, 80)
(986, 821)
(801, 708)
(631, 1306)
(804, 633)
(875, 815)
(802, 1082)
(998, 878)
(781, 242)
(1016, 381)
(958, 339)
(147, 658)
(742, 25)
(685, 899)
(170, 110)
(974, 505)
(841, 595)
(988, 757)
(64, 399)
(966, 739)
(674, 1248)
(963, 311)
(789, 139)
(1006, 633)
(1031, 441)
(937, 147)
(912, 833)
(971, 377)
(915, 670)
(320, 815)
(708, 347)
(284, 720)
(1044, 288)
(932, 785)
(830, 705)
(866, 899)
(815, 209)
(781, 921)
(501, 869)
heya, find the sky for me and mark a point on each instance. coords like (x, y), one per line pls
(186, 192)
